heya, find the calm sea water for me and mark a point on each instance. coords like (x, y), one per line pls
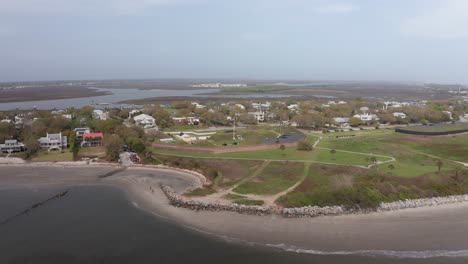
(97, 224)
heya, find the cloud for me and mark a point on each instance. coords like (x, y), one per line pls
(449, 20)
(336, 8)
(81, 7)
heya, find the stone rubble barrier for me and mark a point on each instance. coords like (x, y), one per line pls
(306, 211)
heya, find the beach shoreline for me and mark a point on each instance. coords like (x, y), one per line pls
(435, 229)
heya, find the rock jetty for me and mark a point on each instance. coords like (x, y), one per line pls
(178, 201)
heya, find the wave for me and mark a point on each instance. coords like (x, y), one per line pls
(374, 253)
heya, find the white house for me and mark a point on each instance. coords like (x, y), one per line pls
(12, 146)
(399, 114)
(240, 106)
(198, 106)
(293, 107)
(79, 131)
(342, 121)
(145, 120)
(367, 117)
(53, 141)
(6, 120)
(67, 116)
(261, 106)
(259, 116)
(133, 113)
(100, 114)
(450, 115)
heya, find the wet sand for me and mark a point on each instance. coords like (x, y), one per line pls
(422, 232)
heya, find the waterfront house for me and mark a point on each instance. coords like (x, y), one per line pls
(92, 139)
(79, 131)
(12, 145)
(55, 141)
(343, 122)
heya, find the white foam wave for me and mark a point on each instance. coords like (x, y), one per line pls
(385, 253)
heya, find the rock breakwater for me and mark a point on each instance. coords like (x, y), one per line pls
(306, 211)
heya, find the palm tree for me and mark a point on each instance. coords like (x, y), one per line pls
(439, 164)
(333, 152)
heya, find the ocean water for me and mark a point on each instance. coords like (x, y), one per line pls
(97, 224)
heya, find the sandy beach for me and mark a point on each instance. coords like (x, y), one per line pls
(421, 232)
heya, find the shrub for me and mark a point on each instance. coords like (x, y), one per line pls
(304, 145)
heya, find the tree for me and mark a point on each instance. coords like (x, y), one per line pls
(439, 164)
(74, 144)
(304, 145)
(282, 147)
(373, 160)
(333, 152)
(136, 144)
(391, 167)
(354, 121)
(113, 143)
(32, 146)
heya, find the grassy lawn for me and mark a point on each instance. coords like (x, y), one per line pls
(92, 152)
(54, 156)
(350, 186)
(223, 173)
(290, 153)
(453, 147)
(438, 128)
(276, 177)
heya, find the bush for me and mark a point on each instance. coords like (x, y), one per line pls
(304, 145)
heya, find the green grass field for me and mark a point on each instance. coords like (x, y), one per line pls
(429, 128)
(54, 156)
(276, 177)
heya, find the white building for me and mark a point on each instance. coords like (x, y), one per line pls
(79, 131)
(53, 141)
(6, 120)
(198, 106)
(12, 146)
(342, 121)
(259, 116)
(67, 116)
(367, 117)
(399, 114)
(261, 106)
(293, 107)
(145, 120)
(100, 114)
(240, 106)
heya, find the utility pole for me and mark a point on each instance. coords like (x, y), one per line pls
(234, 128)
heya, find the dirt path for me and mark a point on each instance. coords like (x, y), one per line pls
(269, 200)
(218, 196)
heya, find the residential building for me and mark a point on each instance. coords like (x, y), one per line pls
(6, 120)
(145, 120)
(367, 117)
(67, 116)
(92, 139)
(80, 131)
(55, 141)
(12, 146)
(100, 114)
(259, 116)
(400, 115)
(343, 122)
(198, 106)
(133, 113)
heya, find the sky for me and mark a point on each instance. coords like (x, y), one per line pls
(397, 40)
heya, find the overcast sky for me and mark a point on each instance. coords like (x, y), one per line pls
(397, 40)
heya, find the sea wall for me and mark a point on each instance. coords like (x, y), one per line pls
(430, 133)
(306, 211)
